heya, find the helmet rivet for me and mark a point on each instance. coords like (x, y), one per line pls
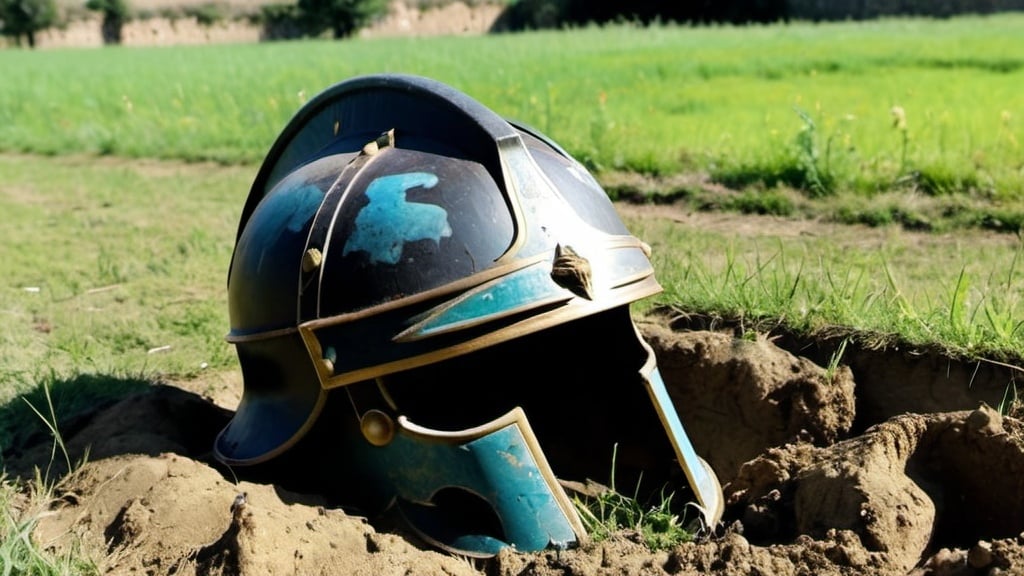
(311, 260)
(378, 428)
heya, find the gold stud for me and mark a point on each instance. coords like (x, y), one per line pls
(311, 260)
(378, 428)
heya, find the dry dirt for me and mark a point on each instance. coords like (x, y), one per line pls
(891, 463)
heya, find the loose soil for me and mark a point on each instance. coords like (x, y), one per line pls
(892, 462)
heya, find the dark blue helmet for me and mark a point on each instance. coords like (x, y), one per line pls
(454, 289)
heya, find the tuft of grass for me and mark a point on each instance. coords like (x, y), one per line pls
(609, 511)
(23, 504)
(769, 202)
(1010, 405)
(835, 360)
(20, 510)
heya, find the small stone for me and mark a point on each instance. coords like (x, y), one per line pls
(947, 562)
(980, 555)
(985, 421)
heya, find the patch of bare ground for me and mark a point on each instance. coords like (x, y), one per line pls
(890, 464)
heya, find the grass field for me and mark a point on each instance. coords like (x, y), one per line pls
(807, 106)
(908, 121)
(123, 172)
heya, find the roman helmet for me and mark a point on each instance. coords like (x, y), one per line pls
(430, 306)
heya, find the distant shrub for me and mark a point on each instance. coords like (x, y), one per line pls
(534, 15)
(24, 18)
(279, 21)
(115, 15)
(206, 14)
(342, 17)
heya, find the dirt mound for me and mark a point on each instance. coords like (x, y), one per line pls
(811, 488)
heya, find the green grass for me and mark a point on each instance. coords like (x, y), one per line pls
(610, 512)
(24, 502)
(605, 510)
(21, 507)
(961, 292)
(92, 252)
(114, 273)
(733, 102)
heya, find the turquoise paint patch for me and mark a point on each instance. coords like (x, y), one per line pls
(288, 209)
(500, 468)
(385, 224)
(523, 288)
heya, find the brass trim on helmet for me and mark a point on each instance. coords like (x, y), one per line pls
(344, 185)
(560, 294)
(708, 492)
(460, 285)
(266, 335)
(572, 309)
(412, 333)
(512, 195)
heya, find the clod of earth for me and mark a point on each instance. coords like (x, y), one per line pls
(819, 479)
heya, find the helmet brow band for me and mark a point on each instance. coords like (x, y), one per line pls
(265, 335)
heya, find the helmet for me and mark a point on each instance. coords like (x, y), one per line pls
(430, 303)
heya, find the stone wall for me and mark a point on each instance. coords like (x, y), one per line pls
(452, 19)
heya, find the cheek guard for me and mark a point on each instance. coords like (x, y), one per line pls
(474, 491)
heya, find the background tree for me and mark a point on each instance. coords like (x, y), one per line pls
(341, 17)
(115, 15)
(24, 18)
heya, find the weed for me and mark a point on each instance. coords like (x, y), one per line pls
(818, 179)
(609, 512)
(835, 359)
(51, 424)
(899, 123)
(1010, 402)
(22, 506)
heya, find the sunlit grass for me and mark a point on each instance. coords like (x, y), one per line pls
(611, 512)
(724, 100)
(960, 292)
(24, 503)
(21, 508)
(115, 267)
(661, 524)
